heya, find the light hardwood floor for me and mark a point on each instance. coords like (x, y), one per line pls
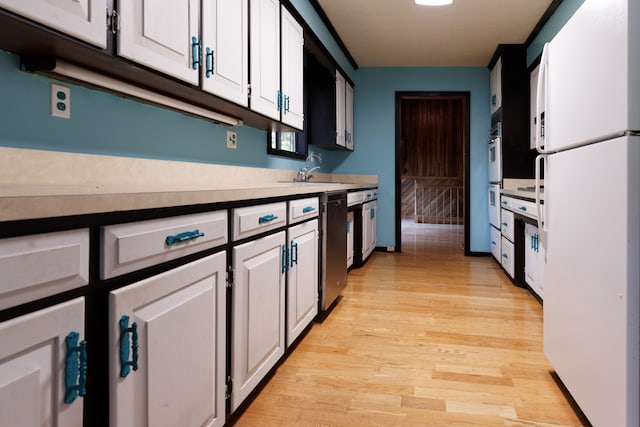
(427, 337)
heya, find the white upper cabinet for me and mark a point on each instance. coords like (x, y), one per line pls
(348, 116)
(292, 71)
(163, 35)
(83, 19)
(43, 366)
(225, 41)
(495, 87)
(340, 109)
(266, 97)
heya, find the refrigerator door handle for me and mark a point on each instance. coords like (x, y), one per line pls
(541, 225)
(541, 109)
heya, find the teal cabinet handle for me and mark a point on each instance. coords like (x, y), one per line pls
(279, 101)
(523, 208)
(505, 224)
(182, 237)
(128, 346)
(505, 256)
(308, 209)
(294, 254)
(75, 368)
(284, 259)
(209, 62)
(196, 53)
(267, 218)
(372, 213)
(493, 242)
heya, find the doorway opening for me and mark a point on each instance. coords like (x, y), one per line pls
(432, 162)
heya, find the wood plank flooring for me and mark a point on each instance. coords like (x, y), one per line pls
(427, 337)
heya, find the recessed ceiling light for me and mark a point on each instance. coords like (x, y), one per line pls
(434, 2)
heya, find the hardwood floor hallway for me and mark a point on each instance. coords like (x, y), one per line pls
(426, 337)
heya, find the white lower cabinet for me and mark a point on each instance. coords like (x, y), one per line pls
(507, 256)
(495, 237)
(258, 306)
(302, 275)
(533, 258)
(369, 228)
(43, 367)
(350, 237)
(167, 348)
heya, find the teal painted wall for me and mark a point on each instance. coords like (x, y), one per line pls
(375, 137)
(103, 123)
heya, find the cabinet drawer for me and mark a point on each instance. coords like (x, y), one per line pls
(302, 209)
(507, 254)
(132, 246)
(495, 243)
(37, 266)
(253, 220)
(507, 224)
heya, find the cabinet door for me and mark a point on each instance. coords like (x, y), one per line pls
(266, 97)
(33, 362)
(496, 87)
(302, 285)
(496, 238)
(533, 258)
(350, 225)
(179, 343)
(348, 116)
(292, 71)
(258, 312)
(83, 19)
(163, 35)
(508, 256)
(225, 41)
(340, 109)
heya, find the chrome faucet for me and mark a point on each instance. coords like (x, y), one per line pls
(304, 174)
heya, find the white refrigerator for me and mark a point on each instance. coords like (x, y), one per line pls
(589, 91)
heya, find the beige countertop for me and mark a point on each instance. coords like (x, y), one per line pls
(42, 184)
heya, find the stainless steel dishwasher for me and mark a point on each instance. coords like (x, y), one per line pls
(334, 246)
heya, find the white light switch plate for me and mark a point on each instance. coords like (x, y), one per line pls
(60, 101)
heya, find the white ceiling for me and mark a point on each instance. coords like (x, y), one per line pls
(385, 33)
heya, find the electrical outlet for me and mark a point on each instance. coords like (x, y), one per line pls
(232, 139)
(60, 101)
(391, 248)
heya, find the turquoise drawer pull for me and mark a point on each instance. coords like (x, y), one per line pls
(372, 213)
(504, 202)
(279, 101)
(128, 346)
(505, 224)
(493, 242)
(505, 256)
(182, 237)
(267, 218)
(523, 208)
(308, 209)
(75, 368)
(196, 53)
(210, 58)
(293, 254)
